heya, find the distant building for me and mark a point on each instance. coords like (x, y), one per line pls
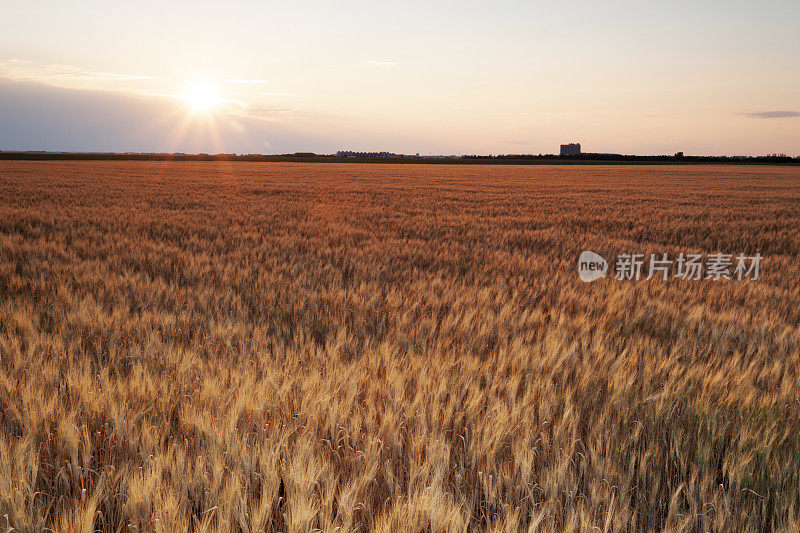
(571, 149)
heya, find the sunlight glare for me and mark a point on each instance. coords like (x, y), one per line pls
(202, 97)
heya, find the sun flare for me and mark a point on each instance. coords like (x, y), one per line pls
(202, 97)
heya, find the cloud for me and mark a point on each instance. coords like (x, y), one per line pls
(268, 93)
(247, 82)
(774, 114)
(38, 116)
(377, 64)
(24, 69)
(267, 113)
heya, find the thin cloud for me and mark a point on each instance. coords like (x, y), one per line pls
(26, 70)
(774, 114)
(377, 63)
(268, 93)
(247, 82)
(266, 113)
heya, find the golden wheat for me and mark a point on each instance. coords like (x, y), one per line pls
(291, 347)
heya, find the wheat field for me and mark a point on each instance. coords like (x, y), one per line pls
(314, 347)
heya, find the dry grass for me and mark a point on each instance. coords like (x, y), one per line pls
(263, 347)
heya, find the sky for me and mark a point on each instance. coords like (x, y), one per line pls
(430, 77)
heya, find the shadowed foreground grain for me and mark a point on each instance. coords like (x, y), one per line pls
(289, 347)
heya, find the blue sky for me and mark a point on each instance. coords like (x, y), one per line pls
(431, 77)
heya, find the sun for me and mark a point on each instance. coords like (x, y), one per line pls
(202, 97)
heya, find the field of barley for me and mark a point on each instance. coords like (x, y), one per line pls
(298, 347)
